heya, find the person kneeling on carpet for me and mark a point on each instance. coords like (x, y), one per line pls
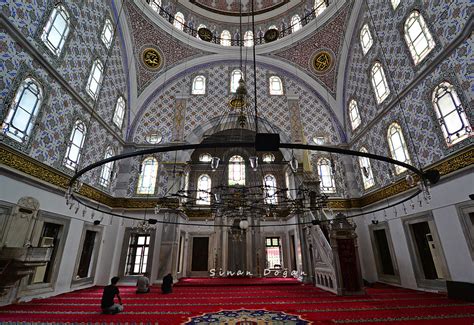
(143, 283)
(167, 285)
(108, 306)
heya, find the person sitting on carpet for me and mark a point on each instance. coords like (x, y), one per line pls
(108, 306)
(167, 285)
(143, 283)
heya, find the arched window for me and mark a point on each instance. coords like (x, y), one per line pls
(418, 37)
(248, 38)
(319, 6)
(179, 21)
(95, 79)
(379, 82)
(270, 188)
(273, 27)
(23, 110)
(204, 189)
(75, 145)
(268, 158)
(155, 5)
(354, 114)
(199, 27)
(288, 184)
(366, 170)
(366, 40)
(236, 171)
(451, 114)
(225, 38)
(56, 30)
(205, 157)
(147, 177)
(276, 86)
(395, 4)
(154, 138)
(199, 85)
(235, 76)
(107, 33)
(326, 176)
(119, 112)
(295, 23)
(319, 140)
(106, 171)
(398, 148)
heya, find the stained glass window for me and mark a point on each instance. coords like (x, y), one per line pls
(398, 148)
(366, 170)
(95, 79)
(75, 145)
(379, 82)
(23, 110)
(119, 112)
(56, 30)
(270, 188)
(326, 176)
(199, 85)
(147, 177)
(366, 40)
(236, 171)
(204, 189)
(451, 114)
(418, 37)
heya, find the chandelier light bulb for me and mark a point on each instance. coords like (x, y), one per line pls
(294, 164)
(157, 208)
(215, 163)
(254, 163)
(243, 224)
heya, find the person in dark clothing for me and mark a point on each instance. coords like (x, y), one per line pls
(167, 285)
(108, 305)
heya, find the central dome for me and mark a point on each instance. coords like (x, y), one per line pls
(232, 7)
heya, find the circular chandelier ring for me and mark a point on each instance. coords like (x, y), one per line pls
(150, 151)
(424, 176)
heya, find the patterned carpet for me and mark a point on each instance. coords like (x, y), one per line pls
(255, 304)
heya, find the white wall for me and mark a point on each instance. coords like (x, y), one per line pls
(12, 189)
(445, 196)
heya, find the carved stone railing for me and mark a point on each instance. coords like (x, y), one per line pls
(18, 262)
(323, 257)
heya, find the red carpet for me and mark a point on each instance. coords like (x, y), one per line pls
(300, 304)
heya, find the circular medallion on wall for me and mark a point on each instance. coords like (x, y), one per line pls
(271, 35)
(205, 34)
(322, 61)
(152, 58)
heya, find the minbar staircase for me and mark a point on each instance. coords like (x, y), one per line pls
(324, 268)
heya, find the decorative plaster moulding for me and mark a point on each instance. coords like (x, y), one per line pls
(17, 161)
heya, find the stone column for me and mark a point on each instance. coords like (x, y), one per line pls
(218, 254)
(125, 172)
(169, 246)
(348, 170)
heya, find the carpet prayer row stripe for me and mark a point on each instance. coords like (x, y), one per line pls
(258, 302)
(301, 310)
